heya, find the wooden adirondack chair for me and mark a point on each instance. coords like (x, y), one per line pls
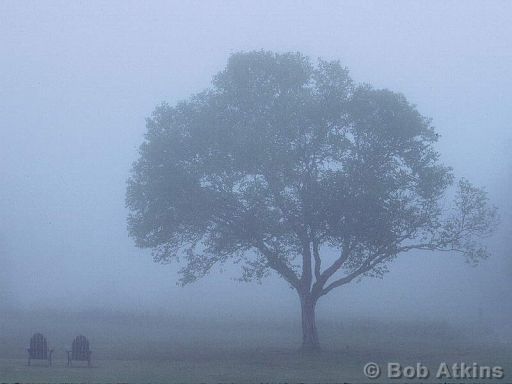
(39, 349)
(80, 351)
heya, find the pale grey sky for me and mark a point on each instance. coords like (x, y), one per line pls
(77, 80)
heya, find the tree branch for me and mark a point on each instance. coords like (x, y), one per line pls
(278, 265)
(367, 266)
(318, 260)
(322, 278)
(306, 277)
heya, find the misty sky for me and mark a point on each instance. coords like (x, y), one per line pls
(78, 79)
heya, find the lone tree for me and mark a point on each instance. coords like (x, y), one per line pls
(289, 166)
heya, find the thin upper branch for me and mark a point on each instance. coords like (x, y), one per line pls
(381, 256)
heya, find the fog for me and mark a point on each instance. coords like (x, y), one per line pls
(78, 79)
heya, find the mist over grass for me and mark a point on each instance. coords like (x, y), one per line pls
(162, 336)
(158, 347)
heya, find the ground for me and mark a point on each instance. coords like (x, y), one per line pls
(149, 348)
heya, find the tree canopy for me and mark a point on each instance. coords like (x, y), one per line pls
(288, 165)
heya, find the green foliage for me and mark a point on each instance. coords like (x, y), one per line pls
(282, 159)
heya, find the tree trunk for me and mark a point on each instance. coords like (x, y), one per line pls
(310, 341)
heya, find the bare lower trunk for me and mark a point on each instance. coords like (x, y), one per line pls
(309, 333)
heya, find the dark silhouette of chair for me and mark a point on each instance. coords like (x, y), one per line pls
(39, 349)
(80, 351)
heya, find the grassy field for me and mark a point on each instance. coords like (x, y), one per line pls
(160, 349)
